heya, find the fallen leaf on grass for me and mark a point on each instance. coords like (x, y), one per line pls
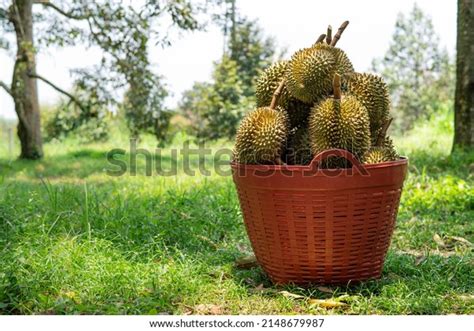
(418, 254)
(261, 289)
(329, 303)
(291, 295)
(324, 289)
(208, 309)
(246, 262)
(419, 260)
(461, 240)
(467, 297)
(438, 240)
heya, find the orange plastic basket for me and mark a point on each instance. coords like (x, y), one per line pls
(311, 225)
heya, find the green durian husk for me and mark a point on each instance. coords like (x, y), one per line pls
(268, 82)
(342, 124)
(261, 136)
(310, 73)
(343, 65)
(373, 93)
(379, 154)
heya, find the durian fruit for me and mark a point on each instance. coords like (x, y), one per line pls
(343, 65)
(339, 122)
(309, 75)
(268, 82)
(266, 85)
(373, 93)
(298, 150)
(262, 134)
(379, 154)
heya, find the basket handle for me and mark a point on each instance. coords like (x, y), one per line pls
(334, 152)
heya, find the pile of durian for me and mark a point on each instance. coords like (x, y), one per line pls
(313, 102)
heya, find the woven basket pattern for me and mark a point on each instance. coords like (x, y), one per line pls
(319, 233)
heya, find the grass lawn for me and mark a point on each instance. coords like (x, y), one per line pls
(74, 240)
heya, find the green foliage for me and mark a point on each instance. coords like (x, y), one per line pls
(420, 75)
(68, 119)
(81, 243)
(215, 109)
(122, 31)
(252, 52)
(143, 105)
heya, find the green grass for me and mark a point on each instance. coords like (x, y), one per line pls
(76, 241)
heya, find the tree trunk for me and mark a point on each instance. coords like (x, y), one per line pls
(464, 96)
(24, 88)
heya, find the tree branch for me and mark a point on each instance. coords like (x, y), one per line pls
(6, 88)
(60, 90)
(46, 3)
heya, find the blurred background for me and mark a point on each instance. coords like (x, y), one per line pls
(190, 67)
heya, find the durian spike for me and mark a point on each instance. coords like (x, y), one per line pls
(336, 85)
(320, 39)
(383, 132)
(276, 94)
(339, 33)
(329, 35)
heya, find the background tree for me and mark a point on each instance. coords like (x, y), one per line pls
(216, 108)
(420, 75)
(464, 100)
(121, 31)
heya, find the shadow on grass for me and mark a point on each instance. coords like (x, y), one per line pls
(127, 247)
(407, 286)
(458, 164)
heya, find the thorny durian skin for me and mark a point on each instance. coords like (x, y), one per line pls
(261, 136)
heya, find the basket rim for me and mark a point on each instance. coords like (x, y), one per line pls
(403, 160)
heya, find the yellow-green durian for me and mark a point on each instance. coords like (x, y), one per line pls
(268, 82)
(310, 73)
(266, 85)
(336, 123)
(342, 64)
(261, 136)
(378, 154)
(373, 92)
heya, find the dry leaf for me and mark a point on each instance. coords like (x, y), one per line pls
(461, 240)
(468, 297)
(419, 260)
(208, 309)
(246, 262)
(259, 287)
(329, 303)
(438, 240)
(291, 295)
(324, 289)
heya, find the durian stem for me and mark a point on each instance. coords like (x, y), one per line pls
(383, 132)
(276, 94)
(320, 39)
(339, 33)
(329, 35)
(336, 86)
